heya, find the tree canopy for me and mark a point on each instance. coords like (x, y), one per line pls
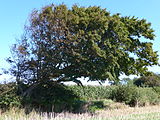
(149, 81)
(62, 44)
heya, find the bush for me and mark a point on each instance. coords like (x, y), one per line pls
(157, 90)
(123, 93)
(50, 97)
(145, 96)
(7, 101)
(135, 96)
(8, 96)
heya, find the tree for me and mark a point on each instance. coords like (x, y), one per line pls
(65, 44)
(150, 81)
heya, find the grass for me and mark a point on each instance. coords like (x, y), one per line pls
(142, 113)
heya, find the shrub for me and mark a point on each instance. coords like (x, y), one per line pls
(7, 101)
(8, 96)
(145, 96)
(157, 89)
(135, 96)
(123, 93)
(50, 97)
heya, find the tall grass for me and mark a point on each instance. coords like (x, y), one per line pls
(142, 113)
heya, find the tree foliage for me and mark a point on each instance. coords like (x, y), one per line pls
(62, 44)
(150, 81)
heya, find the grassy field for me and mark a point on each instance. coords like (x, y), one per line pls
(141, 113)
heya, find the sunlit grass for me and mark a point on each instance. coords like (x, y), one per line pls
(142, 113)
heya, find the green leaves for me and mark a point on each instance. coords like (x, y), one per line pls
(88, 42)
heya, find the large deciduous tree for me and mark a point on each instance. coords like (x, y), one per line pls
(64, 44)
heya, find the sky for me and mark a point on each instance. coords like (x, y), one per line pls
(15, 13)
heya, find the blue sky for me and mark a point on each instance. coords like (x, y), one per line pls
(14, 14)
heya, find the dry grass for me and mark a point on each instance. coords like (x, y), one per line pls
(130, 111)
(142, 113)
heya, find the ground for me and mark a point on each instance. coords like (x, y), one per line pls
(136, 113)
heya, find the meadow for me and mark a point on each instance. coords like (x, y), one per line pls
(130, 113)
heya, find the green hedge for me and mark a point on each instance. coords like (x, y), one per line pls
(74, 98)
(128, 94)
